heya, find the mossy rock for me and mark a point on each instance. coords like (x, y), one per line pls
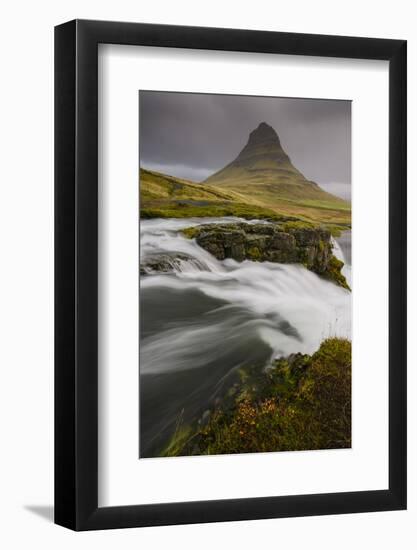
(253, 253)
(334, 272)
(283, 242)
(191, 232)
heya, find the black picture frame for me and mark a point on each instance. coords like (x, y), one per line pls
(76, 272)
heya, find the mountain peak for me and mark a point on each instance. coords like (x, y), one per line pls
(262, 148)
(264, 133)
(261, 159)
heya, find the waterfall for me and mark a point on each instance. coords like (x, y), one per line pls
(206, 318)
(340, 255)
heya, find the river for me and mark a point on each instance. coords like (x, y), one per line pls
(206, 318)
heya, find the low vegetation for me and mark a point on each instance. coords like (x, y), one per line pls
(302, 402)
(208, 210)
(163, 196)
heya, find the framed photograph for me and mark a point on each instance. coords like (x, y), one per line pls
(230, 252)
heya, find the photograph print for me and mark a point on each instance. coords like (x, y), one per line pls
(245, 283)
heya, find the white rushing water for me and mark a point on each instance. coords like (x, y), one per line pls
(271, 293)
(347, 268)
(205, 318)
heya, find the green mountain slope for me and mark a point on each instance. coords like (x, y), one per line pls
(169, 197)
(264, 172)
(261, 182)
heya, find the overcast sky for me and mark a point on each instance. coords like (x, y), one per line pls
(194, 135)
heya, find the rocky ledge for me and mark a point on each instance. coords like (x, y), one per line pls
(292, 242)
(165, 262)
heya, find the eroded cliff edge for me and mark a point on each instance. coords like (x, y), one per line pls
(288, 242)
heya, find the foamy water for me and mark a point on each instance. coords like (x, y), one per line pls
(208, 317)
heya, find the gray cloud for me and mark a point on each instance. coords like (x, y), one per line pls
(193, 135)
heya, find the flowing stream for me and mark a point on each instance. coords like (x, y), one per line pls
(206, 318)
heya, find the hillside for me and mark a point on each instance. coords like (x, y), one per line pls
(163, 196)
(261, 182)
(264, 171)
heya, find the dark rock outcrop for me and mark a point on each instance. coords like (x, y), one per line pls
(165, 263)
(273, 242)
